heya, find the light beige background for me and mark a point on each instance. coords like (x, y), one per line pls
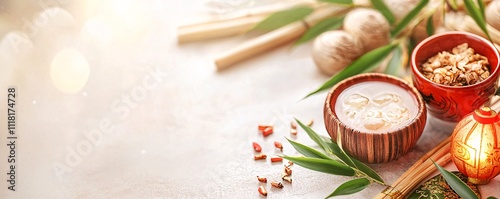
(153, 119)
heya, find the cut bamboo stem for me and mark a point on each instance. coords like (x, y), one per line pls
(216, 30)
(235, 24)
(438, 151)
(407, 188)
(259, 45)
(272, 39)
(419, 171)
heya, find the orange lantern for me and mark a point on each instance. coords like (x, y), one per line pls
(475, 145)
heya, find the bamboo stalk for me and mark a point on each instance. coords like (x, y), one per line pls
(419, 171)
(217, 29)
(407, 188)
(272, 39)
(438, 151)
(235, 24)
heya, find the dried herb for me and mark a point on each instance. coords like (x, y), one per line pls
(456, 184)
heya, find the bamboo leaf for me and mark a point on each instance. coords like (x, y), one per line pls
(481, 8)
(456, 184)
(313, 135)
(323, 26)
(308, 151)
(360, 65)
(477, 15)
(337, 151)
(350, 187)
(344, 2)
(429, 27)
(282, 18)
(384, 10)
(395, 62)
(322, 165)
(408, 18)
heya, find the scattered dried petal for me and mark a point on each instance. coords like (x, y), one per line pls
(290, 163)
(260, 157)
(293, 131)
(276, 184)
(293, 125)
(263, 126)
(310, 123)
(262, 190)
(267, 131)
(287, 179)
(262, 179)
(287, 171)
(278, 145)
(276, 159)
(256, 147)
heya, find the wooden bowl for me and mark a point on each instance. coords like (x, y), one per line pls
(381, 145)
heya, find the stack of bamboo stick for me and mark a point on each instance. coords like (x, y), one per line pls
(241, 23)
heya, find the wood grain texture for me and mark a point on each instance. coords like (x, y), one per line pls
(374, 147)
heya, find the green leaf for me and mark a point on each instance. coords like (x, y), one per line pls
(337, 151)
(322, 165)
(344, 2)
(477, 15)
(368, 60)
(313, 135)
(429, 27)
(491, 197)
(308, 151)
(384, 10)
(481, 8)
(282, 18)
(395, 63)
(456, 184)
(323, 26)
(408, 18)
(350, 187)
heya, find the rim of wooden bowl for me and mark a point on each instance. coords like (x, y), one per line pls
(396, 137)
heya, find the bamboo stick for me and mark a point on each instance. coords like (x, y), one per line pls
(272, 39)
(260, 45)
(418, 172)
(234, 24)
(216, 30)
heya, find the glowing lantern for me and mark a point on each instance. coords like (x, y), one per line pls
(475, 145)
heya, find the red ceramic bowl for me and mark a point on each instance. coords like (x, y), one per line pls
(451, 103)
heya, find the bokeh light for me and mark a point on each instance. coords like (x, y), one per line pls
(69, 70)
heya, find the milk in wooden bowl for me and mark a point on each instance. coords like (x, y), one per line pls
(376, 117)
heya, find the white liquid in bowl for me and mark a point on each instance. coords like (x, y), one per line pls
(376, 107)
